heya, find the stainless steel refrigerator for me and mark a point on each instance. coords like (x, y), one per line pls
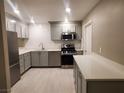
(13, 57)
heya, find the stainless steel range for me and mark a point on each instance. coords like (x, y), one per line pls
(67, 52)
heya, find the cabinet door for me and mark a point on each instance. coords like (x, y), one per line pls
(18, 30)
(56, 30)
(44, 58)
(69, 27)
(79, 82)
(79, 31)
(27, 61)
(76, 76)
(26, 31)
(21, 62)
(54, 58)
(35, 59)
(11, 26)
(23, 30)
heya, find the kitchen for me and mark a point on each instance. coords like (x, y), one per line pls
(63, 46)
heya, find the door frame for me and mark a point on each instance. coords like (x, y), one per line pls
(84, 35)
(4, 58)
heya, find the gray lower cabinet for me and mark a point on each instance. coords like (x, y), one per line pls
(76, 76)
(39, 58)
(54, 58)
(35, 59)
(43, 58)
(25, 62)
(78, 79)
(22, 64)
(80, 82)
(27, 59)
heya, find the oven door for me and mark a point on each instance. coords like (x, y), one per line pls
(66, 60)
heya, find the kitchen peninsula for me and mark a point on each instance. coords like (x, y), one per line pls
(95, 74)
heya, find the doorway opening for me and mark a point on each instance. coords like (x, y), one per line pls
(87, 34)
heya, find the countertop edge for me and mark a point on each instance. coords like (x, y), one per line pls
(90, 78)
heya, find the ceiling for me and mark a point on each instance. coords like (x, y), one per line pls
(50, 10)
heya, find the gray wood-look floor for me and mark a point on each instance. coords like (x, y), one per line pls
(46, 80)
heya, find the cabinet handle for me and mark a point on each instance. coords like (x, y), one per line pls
(80, 74)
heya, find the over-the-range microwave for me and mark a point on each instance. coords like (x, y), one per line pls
(68, 36)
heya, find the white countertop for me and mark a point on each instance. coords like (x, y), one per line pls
(96, 67)
(23, 51)
(79, 49)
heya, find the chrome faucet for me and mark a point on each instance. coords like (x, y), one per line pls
(41, 45)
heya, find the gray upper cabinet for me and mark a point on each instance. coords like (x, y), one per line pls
(27, 61)
(58, 27)
(35, 59)
(18, 30)
(79, 31)
(54, 58)
(44, 58)
(56, 30)
(17, 26)
(25, 31)
(10, 25)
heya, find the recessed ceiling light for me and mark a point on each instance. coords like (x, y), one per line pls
(32, 21)
(66, 20)
(12, 21)
(16, 11)
(68, 10)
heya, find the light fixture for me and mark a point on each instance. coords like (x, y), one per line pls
(12, 21)
(68, 10)
(66, 20)
(32, 20)
(16, 11)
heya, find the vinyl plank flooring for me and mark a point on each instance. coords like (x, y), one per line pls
(46, 80)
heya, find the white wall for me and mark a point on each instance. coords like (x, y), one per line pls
(40, 33)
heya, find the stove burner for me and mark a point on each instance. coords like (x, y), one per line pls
(67, 52)
(68, 49)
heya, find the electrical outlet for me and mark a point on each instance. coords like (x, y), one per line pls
(100, 50)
